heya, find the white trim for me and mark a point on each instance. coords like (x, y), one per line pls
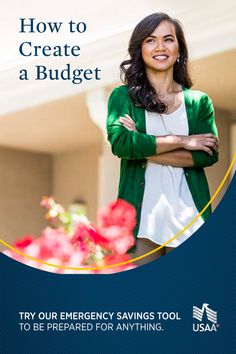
(209, 31)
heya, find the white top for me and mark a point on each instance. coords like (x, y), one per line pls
(167, 205)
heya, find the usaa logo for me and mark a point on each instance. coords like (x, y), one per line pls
(211, 325)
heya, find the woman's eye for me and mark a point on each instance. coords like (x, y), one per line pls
(169, 40)
(149, 40)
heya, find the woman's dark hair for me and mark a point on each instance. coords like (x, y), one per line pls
(133, 72)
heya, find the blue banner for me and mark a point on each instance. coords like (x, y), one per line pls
(180, 303)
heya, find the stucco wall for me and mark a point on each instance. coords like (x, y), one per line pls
(24, 178)
(216, 173)
(75, 177)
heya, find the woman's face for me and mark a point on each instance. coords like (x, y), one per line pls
(160, 50)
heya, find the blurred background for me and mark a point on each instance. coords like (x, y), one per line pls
(52, 133)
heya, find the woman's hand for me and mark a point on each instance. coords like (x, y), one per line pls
(204, 142)
(128, 123)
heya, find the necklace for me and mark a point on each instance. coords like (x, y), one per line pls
(171, 103)
(176, 90)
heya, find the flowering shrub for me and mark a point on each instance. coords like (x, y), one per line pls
(72, 241)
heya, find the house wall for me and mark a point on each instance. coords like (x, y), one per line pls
(75, 177)
(216, 173)
(24, 178)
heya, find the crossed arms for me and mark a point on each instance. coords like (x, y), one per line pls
(174, 150)
(197, 150)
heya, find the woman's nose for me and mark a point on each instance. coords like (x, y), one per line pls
(160, 45)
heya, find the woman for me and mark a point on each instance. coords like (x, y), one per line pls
(165, 135)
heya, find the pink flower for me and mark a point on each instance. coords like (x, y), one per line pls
(119, 213)
(55, 210)
(87, 232)
(55, 244)
(24, 242)
(122, 244)
(88, 246)
(120, 239)
(47, 202)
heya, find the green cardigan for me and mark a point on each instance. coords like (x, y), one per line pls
(134, 147)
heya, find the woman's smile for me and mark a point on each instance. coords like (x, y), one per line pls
(161, 57)
(160, 50)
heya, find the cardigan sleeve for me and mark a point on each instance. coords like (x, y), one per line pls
(205, 124)
(125, 143)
